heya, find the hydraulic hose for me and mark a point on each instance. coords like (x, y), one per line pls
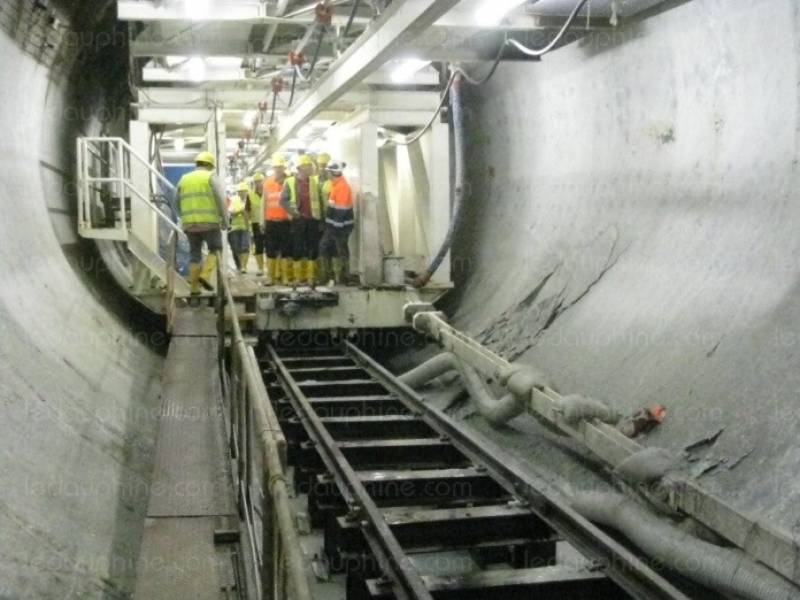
(727, 570)
(457, 112)
(496, 411)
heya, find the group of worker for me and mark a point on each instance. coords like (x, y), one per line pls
(301, 222)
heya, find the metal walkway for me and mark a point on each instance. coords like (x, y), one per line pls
(189, 548)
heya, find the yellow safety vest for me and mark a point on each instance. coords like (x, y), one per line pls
(256, 206)
(313, 192)
(238, 216)
(196, 198)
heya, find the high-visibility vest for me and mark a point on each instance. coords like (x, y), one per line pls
(340, 196)
(236, 207)
(196, 198)
(256, 208)
(313, 192)
(273, 211)
(340, 204)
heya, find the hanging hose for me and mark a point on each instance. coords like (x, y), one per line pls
(458, 195)
(728, 570)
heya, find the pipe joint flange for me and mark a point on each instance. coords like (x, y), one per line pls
(520, 380)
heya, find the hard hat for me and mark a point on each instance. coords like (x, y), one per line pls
(242, 187)
(258, 176)
(335, 167)
(205, 157)
(304, 160)
(278, 160)
(323, 159)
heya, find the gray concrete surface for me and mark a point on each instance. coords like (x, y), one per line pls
(78, 382)
(633, 230)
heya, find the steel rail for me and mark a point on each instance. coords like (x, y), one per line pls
(407, 580)
(620, 564)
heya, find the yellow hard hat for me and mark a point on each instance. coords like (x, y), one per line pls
(205, 157)
(304, 160)
(258, 176)
(278, 160)
(242, 187)
(323, 159)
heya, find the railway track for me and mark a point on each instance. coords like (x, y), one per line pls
(403, 495)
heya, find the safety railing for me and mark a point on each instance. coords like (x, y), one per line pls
(106, 190)
(259, 448)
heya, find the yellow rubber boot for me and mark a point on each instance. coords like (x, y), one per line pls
(272, 270)
(286, 271)
(208, 273)
(337, 270)
(322, 271)
(260, 263)
(194, 277)
(311, 272)
(297, 272)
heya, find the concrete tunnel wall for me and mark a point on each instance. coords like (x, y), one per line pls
(78, 381)
(633, 229)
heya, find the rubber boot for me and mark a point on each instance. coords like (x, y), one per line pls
(297, 272)
(322, 271)
(243, 258)
(272, 271)
(194, 278)
(337, 270)
(260, 264)
(286, 271)
(311, 273)
(208, 272)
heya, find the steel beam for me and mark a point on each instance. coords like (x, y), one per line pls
(401, 23)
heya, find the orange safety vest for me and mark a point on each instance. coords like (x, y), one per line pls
(273, 211)
(341, 195)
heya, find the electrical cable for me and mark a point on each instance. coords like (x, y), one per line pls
(291, 93)
(421, 132)
(351, 18)
(272, 112)
(495, 64)
(542, 51)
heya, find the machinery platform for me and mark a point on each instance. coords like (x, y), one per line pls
(191, 502)
(285, 308)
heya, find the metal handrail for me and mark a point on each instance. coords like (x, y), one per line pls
(280, 571)
(136, 155)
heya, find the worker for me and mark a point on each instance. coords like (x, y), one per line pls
(322, 161)
(277, 228)
(239, 234)
(257, 220)
(301, 198)
(338, 222)
(201, 201)
(323, 270)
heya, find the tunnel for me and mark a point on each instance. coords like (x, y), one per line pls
(616, 222)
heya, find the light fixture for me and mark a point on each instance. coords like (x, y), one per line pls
(197, 9)
(196, 68)
(179, 144)
(491, 12)
(407, 68)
